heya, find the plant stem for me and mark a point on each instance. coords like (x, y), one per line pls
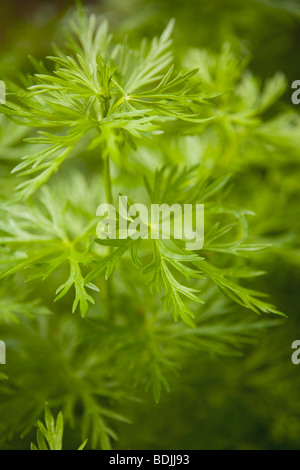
(109, 200)
(107, 180)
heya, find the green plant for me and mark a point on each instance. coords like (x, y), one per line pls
(102, 119)
(52, 433)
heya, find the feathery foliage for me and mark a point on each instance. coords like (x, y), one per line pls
(107, 115)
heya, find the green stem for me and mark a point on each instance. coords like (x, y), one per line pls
(107, 181)
(109, 200)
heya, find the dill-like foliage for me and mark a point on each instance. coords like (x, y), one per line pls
(100, 118)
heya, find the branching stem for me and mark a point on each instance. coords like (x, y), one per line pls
(107, 180)
(109, 200)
